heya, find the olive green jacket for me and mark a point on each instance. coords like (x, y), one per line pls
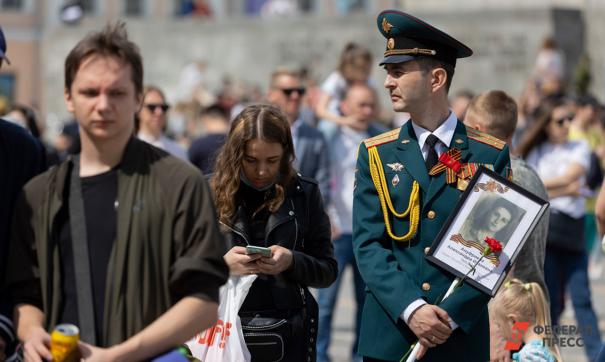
(168, 244)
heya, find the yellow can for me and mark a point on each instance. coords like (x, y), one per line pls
(64, 343)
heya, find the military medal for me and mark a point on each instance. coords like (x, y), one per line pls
(461, 184)
(455, 171)
(395, 180)
(396, 167)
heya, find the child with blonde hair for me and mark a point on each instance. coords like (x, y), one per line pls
(525, 302)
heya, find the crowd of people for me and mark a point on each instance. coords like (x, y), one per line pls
(135, 227)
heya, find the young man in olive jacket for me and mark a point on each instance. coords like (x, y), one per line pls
(120, 240)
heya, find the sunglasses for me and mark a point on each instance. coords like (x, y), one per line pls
(152, 107)
(288, 91)
(567, 118)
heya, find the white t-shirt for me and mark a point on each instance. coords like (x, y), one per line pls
(552, 160)
(343, 157)
(166, 144)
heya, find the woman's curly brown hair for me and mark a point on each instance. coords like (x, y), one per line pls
(263, 122)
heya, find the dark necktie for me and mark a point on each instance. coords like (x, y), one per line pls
(431, 158)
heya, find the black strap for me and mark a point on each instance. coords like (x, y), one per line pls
(79, 243)
(431, 158)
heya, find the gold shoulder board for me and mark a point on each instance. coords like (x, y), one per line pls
(383, 138)
(485, 138)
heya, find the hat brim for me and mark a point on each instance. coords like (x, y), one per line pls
(393, 59)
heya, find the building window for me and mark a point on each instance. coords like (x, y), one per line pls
(134, 7)
(16, 5)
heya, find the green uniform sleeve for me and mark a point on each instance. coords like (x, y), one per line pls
(387, 281)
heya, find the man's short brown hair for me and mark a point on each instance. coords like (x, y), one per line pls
(427, 64)
(111, 41)
(496, 111)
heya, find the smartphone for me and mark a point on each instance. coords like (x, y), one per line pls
(252, 249)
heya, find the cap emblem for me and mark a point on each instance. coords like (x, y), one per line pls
(386, 26)
(390, 43)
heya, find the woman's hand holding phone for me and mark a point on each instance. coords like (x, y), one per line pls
(280, 260)
(240, 262)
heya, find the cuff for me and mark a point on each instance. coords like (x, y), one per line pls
(407, 312)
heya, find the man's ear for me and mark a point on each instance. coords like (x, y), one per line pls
(271, 95)
(344, 107)
(439, 79)
(471, 121)
(68, 100)
(139, 100)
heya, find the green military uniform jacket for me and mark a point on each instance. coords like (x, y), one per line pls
(397, 273)
(168, 243)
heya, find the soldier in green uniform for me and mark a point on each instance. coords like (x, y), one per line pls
(403, 198)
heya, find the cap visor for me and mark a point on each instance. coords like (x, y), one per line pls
(391, 59)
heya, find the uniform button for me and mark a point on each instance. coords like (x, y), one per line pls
(426, 287)
(426, 250)
(431, 214)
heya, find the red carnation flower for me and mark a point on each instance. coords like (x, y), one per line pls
(494, 245)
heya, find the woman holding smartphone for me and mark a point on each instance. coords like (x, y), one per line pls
(262, 203)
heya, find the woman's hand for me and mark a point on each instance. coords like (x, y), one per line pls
(241, 263)
(280, 260)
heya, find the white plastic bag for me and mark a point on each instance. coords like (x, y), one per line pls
(224, 342)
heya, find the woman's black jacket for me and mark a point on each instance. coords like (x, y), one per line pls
(301, 225)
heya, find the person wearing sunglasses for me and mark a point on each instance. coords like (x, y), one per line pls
(562, 165)
(286, 91)
(151, 122)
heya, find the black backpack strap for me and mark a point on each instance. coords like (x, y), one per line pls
(79, 244)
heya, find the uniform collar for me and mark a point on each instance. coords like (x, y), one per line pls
(445, 132)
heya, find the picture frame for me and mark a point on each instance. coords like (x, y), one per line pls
(491, 206)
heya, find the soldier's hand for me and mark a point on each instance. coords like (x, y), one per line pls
(421, 351)
(239, 262)
(430, 324)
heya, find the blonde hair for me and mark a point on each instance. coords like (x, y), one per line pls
(284, 71)
(527, 301)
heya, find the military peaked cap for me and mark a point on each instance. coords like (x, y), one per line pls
(410, 38)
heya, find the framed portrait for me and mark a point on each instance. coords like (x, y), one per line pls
(491, 206)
